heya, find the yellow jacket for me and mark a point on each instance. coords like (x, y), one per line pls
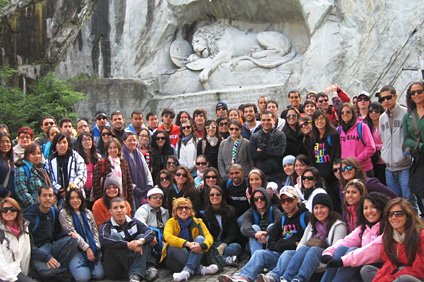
(173, 229)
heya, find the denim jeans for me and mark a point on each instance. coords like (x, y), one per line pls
(259, 260)
(233, 249)
(303, 263)
(283, 262)
(253, 243)
(182, 259)
(341, 274)
(62, 250)
(368, 273)
(398, 182)
(82, 272)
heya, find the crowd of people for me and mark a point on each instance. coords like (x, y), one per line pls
(314, 192)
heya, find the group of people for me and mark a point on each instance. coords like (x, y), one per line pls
(316, 192)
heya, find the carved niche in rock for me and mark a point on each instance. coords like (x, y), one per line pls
(216, 44)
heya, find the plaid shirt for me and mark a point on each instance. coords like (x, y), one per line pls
(127, 187)
(27, 189)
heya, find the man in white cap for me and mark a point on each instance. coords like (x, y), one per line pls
(155, 216)
(363, 102)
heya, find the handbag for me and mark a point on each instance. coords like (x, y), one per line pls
(416, 175)
(212, 256)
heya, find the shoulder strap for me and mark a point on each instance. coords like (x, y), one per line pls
(255, 217)
(228, 183)
(283, 218)
(26, 168)
(360, 132)
(2, 236)
(416, 131)
(329, 140)
(302, 220)
(103, 166)
(37, 219)
(271, 217)
(339, 129)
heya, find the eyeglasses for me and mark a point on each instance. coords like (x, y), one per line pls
(291, 116)
(260, 198)
(234, 129)
(201, 163)
(210, 127)
(163, 179)
(48, 123)
(211, 177)
(161, 138)
(373, 111)
(107, 134)
(181, 174)
(11, 209)
(171, 163)
(223, 124)
(99, 118)
(185, 127)
(180, 208)
(168, 116)
(396, 214)
(323, 101)
(215, 195)
(345, 112)
(388, 98)
(157, 197)
(348, 168)
(309, 178)
(24, 136)
(306, 123)
(287, 200)
(363, 99)
(419, 92)
(87, 140)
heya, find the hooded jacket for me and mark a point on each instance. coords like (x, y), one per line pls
(253, 216)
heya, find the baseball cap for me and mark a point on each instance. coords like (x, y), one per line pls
(288, 191)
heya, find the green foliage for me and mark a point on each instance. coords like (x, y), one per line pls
(49, 96)
(4, 3)
(6, 72)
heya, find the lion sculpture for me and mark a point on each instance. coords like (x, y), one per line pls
(216, 44)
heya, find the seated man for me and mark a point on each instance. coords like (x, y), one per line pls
(155, 216)
(126, 244)
(284, 235)
(52, 248)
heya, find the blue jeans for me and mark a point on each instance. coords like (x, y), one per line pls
(182, 259)
(62, 250)
(233, 249)
(282, 264)
(253, 243)
(398, 182)
(82, 272)
(259, 260)
(341, 274)
(303, 263)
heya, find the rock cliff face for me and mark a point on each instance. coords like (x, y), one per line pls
(122, 47)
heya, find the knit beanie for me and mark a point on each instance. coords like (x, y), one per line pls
(289, 160)
(111, 179)
(322, 199)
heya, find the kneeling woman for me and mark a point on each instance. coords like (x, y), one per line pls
(325, 229)
(187, 238)
(75, 217)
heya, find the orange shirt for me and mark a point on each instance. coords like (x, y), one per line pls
(102, 214)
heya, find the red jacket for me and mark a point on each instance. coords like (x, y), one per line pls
(388, 272)
(174, 134)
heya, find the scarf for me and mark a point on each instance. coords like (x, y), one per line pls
(212, 140)
(185, 139)
(234, 151)
(87, 235)
(138, 174)
(14, 229)
(321, 230)
(116, 169)
(308, 192)
(398, 237)
(185, 231)
(347, 126)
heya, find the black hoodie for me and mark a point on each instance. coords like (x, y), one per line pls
(253, 216)
(284, 237)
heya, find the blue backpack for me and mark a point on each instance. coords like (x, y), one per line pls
(359, 132)
(256, 216)
(37, 220)
(302, 220)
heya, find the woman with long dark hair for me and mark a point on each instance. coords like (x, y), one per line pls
(161, 149)
(30, 176)
(184, 187)
(7, 170)
(187, 146)
(106, 134)
(166, 183)
(144, 144)
(76, 218)
(211, 177)
(403, 245)
(209, 145)
(311, 186)
(355, 191)
(140, 173)
(294, 145)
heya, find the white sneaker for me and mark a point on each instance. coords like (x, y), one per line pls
(265, 278)
(181, 276)
(231, 261)
(208, 270)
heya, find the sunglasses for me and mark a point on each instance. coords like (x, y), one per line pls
(48, 123)
(171, 163)
(323, 101)
(363, 99)
(371, 111)
(11, 209)
(309, 178)
(336, 170)
(163, 179)
(223, 124)
(181, 174)
(201, 163)
(210, 127)
(180, 208)
(260, 198)
(169, 116)
(161, 138)
(107, 134)
(234, 129)
(211, 177)
(345, 112)
(287, 200)
(419, 92)
(348, 168)
(396, 214)
(215, 195)
(99, 118)
(388, 98)
(157, 197)
(185, 127)
(291, 116)
(221, 109)
(305, 124)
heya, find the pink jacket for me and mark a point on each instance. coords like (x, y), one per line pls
(352, 145)
(369, 246)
